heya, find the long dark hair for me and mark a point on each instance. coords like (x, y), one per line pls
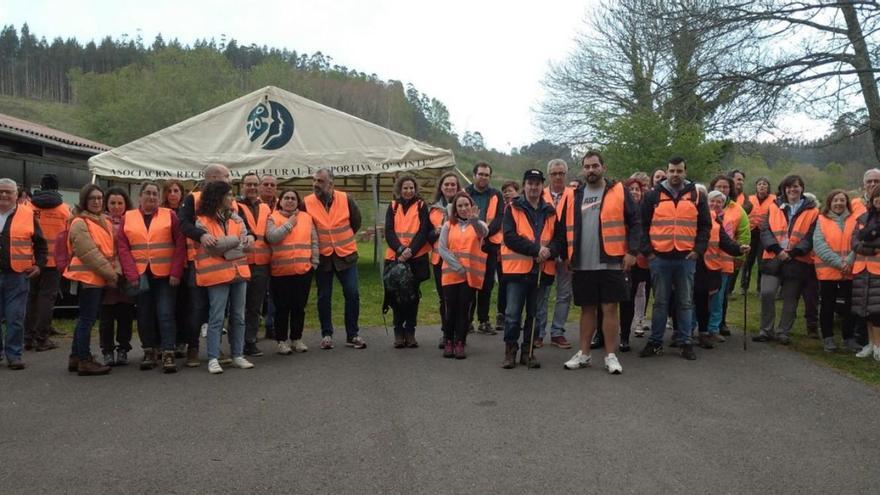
(438, 194)
(827, 206)
(87, 189)
(117, 191)
(212, 198)
(166, 188)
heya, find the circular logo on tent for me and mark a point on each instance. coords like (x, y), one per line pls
(271, 121)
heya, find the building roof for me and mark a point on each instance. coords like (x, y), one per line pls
(48, 135)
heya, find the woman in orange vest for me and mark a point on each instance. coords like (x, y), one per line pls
(153, 253)
(787, 238)
(832, 253)
(447, 187)
(117, 309)
(866, 272)
(294, 241)
(94, 266)
(464, 268)
(224, 271)
(406, 233)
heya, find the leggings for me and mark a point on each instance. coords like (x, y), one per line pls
(459, 297)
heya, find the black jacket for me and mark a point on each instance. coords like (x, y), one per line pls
(518, 244)
(704, 219)
(39, 244)
(631, 217)
(419, 265)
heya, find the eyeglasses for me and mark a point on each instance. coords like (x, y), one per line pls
(556, 174)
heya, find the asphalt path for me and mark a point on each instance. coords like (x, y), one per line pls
(381, 420)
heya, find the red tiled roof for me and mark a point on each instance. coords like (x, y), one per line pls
(47, 134)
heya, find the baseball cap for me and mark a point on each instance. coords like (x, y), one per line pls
(533, 173)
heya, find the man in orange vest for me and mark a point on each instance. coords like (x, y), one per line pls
(533, 238)
(606, 234)
(52, 214)
(22, 255)
(491, 206)
(256, 215)
(560, 196)
(675, 234)
(337, 218)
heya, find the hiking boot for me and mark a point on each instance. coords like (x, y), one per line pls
(149, 361)
(509, 356)
(724, 330)
(327, 343)
(356, 342)
(15, 364)
(399, 339)
(717, 339)
(299, 346)
(687, 352)
(410, 339)
(612, 365)
(192, 357)
(651, 349)
(251, 349)
(485, 328)
(828, 344)
(459, 350)
(783, 339)
(46, 345)
(109, 359)
(121, 358)
(526, 360)
(499, 322)
(560, 342)
(705, 341)
(180, 351)
(168, 364)
(91, 368)
(448, 350)
(579, 360)
(214, 367)
(284, 349)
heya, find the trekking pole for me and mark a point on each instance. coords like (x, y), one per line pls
(530, 322)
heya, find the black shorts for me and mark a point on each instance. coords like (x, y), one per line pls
(594, 287)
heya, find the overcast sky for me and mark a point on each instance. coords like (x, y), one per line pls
(484, 60)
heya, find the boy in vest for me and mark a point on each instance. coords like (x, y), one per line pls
(22, 255)
(533, 238)
(607, 231)
(52, 214)
(675, 234)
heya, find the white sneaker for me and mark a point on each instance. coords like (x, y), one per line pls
(284, 348)
(204, 330)
(299, 346)
(214, 367)
(579, 360)
(877, 352)
(866, 351)
(613, 365)
(242, 363)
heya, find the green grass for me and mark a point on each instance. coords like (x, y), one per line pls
(61, 116)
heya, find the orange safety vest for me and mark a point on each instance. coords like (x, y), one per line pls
(566, 206)
(52, 222)
(715, 258)
(153, 247)
(191, 245)
(674, 225)
(21, 242)
(741, 199)
(759, 212)
(293, 254)
(260, 253)
(437, 216)
(516, 263)
(333, 225)
(467, 248)
(216, 270)
(497, 237)
(612, 222)
(778, 224)
(840, 241)
(103, 239)
(406, 225)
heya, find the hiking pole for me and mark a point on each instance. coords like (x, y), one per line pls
(530, 323)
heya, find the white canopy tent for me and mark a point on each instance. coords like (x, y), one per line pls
(273, 131)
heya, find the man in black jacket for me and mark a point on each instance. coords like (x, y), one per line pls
(532, 236)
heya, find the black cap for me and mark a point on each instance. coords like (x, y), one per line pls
(533, 173)
(49, 182)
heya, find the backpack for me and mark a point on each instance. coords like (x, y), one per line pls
(400, 285)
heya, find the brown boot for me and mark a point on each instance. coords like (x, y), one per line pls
(526, 360)
(399, 339)
(509, 356)
(168, 364)
(91, 368)
(410, 338)
(192, 357)
(149, 361)
(705, 341)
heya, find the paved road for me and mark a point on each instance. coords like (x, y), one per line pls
(407, 421)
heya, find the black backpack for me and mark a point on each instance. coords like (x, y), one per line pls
(400, 285)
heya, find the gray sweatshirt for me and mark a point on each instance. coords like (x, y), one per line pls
(447, 255)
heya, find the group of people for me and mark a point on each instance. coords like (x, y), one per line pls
(206, 264)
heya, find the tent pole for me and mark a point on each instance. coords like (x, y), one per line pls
(376, 258)
(465, 177)
(94, 178)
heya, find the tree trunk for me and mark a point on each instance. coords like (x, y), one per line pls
(861, 61)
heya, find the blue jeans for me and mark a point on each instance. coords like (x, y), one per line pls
(520, 294)
(668, 274)
(157, 326)
(13, 307)
(716, 305)
(218, 296)
(349, 280)
(562, 282)
(89, 308)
